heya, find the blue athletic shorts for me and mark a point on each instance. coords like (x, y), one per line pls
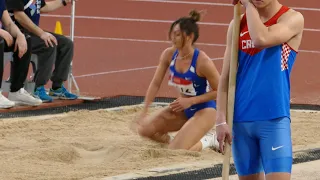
(193, 109)
(262, 146)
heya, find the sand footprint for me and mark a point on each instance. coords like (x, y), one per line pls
(97, 154)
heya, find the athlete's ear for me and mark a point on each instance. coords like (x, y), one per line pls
(187, 38)
(191, 37)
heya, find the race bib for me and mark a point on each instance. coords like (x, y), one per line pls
(183, 85)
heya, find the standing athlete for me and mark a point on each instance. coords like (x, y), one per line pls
(270, 36)
(193, 74)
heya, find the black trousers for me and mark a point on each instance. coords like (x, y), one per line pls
(19, 66)
(59, 56)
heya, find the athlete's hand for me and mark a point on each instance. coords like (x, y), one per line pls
(49, 39)
(21, 45)
(243, 2)
(223, 134)
(180, 104)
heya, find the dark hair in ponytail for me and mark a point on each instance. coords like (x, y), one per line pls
(188, 25)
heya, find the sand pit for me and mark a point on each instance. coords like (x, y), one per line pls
(97, 144)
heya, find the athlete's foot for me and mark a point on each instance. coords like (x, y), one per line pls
(213, 144)
(22, 97)
(5, 103)
(171, 137)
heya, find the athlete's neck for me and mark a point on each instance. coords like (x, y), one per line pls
(185, 52)
(269, 11)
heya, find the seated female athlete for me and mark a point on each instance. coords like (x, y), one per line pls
(196, 79)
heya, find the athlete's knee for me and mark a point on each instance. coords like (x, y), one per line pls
(145, 128)
(278, 176)
(67, 43)
(144, 131)
(151, 133)
(48, 49)
(150, 128)
(257, 176)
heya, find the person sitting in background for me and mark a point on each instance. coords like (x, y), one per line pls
(51, 49)
(13, 40)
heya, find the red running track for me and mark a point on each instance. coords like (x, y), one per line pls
(118, 56)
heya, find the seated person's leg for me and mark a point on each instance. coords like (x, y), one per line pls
(20, 67)
(4, 102)
(46, 58)
(62, 68)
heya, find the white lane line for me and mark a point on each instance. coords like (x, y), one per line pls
(167, 42)
(117, 71)
(142, 40)
(214, 4)
(127, 70)
(146, 20)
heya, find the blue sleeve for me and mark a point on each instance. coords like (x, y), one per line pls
(3, 5)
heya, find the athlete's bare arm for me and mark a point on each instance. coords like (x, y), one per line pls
(289, 25)
(223, 131)
(52, 6)
(207, 69)
(224, 79)
(9, 25)
(157, 79)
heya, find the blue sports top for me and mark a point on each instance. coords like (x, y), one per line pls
(188, 83)
(32, 9)
(263, 77)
